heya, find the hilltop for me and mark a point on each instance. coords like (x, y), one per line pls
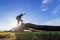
(36, 27)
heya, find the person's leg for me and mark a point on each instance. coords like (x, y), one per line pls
(17, 22)
(21, 21)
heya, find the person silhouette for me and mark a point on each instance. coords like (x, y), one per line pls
(19, 18)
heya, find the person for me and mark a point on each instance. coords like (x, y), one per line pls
(19, 18)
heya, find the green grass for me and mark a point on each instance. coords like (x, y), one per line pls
(37, 35)
(30, 35)
(40, 33)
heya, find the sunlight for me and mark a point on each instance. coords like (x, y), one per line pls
(13, 23)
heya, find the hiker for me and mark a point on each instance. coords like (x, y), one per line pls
(19, 18)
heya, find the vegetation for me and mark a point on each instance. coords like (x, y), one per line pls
(7, 36)
(42, 35)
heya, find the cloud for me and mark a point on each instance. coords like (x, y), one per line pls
(46, 1)
(55, 10)
(43, 8)
(54, 22)
(44, 5)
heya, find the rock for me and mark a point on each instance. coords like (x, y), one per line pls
(24, 26)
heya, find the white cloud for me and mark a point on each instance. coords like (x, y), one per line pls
(46, 1)
(44, 9)
(55, 10)
(44, 5)
(54, 22)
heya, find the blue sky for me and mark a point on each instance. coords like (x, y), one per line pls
(44, 12)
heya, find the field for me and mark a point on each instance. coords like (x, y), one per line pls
(42, 35)
(7, 36)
